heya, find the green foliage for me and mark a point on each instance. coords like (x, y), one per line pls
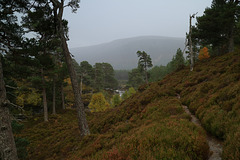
(104, 76)
(125, 95)
(178, 60)
(16, 127)
(11, 32)
(177, 63)
(28, 97)
(87, 73)
(144, 63)
(116, 100)
(145, 60)
(157, 73)
(131, 91)
(128, 93)
(135, 78)
(98, 103)
(21, 143)
(217, 26)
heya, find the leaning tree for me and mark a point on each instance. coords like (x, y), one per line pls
(58, 9)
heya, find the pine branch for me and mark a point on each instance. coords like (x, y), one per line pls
(7, 86)
(16, 106)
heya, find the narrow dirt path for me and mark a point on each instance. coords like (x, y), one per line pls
(215, 145)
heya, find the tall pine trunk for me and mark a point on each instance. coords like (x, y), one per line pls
(62, 97)
(54, 96)
(45, 108)
(190, 44)
(82, 121)
(8, 149)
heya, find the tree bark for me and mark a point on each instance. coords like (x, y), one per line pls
(45, 108)
(54, 96)
(81, 84)
(82, 121)
(62, 95)
(190, 43)
(8, 149)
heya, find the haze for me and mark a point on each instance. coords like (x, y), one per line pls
(100, 21)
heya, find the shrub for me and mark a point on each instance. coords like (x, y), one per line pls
(116, 100)
(98, 103)
(21, 143)
(203, 54)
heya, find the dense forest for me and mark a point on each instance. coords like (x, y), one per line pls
(52, 107)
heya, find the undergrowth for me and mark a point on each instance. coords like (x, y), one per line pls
(152, 124)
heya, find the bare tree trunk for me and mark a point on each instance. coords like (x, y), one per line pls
(62, 95)
(45, 108)
(8, 149)
(190, 43)
(54, 96)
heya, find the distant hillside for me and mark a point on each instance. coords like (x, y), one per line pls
(121, 54)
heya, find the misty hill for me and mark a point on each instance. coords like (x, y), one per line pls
(121, 54)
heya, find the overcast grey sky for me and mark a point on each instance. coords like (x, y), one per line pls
(100, 21)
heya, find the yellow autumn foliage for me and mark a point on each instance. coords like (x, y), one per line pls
(98, 103)
(203, 53)
(31, 98)
(69, 95)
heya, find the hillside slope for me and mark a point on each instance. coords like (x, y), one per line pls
(152, 123)
(121, 54)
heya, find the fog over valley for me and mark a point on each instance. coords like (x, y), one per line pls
(121, 54)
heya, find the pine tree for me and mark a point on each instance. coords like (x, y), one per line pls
(218, 26)
(135, 78)
(144, 63)
(58, 8)
(10, 40)
(179, 60)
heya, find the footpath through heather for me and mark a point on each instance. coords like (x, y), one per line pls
(215, 145)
